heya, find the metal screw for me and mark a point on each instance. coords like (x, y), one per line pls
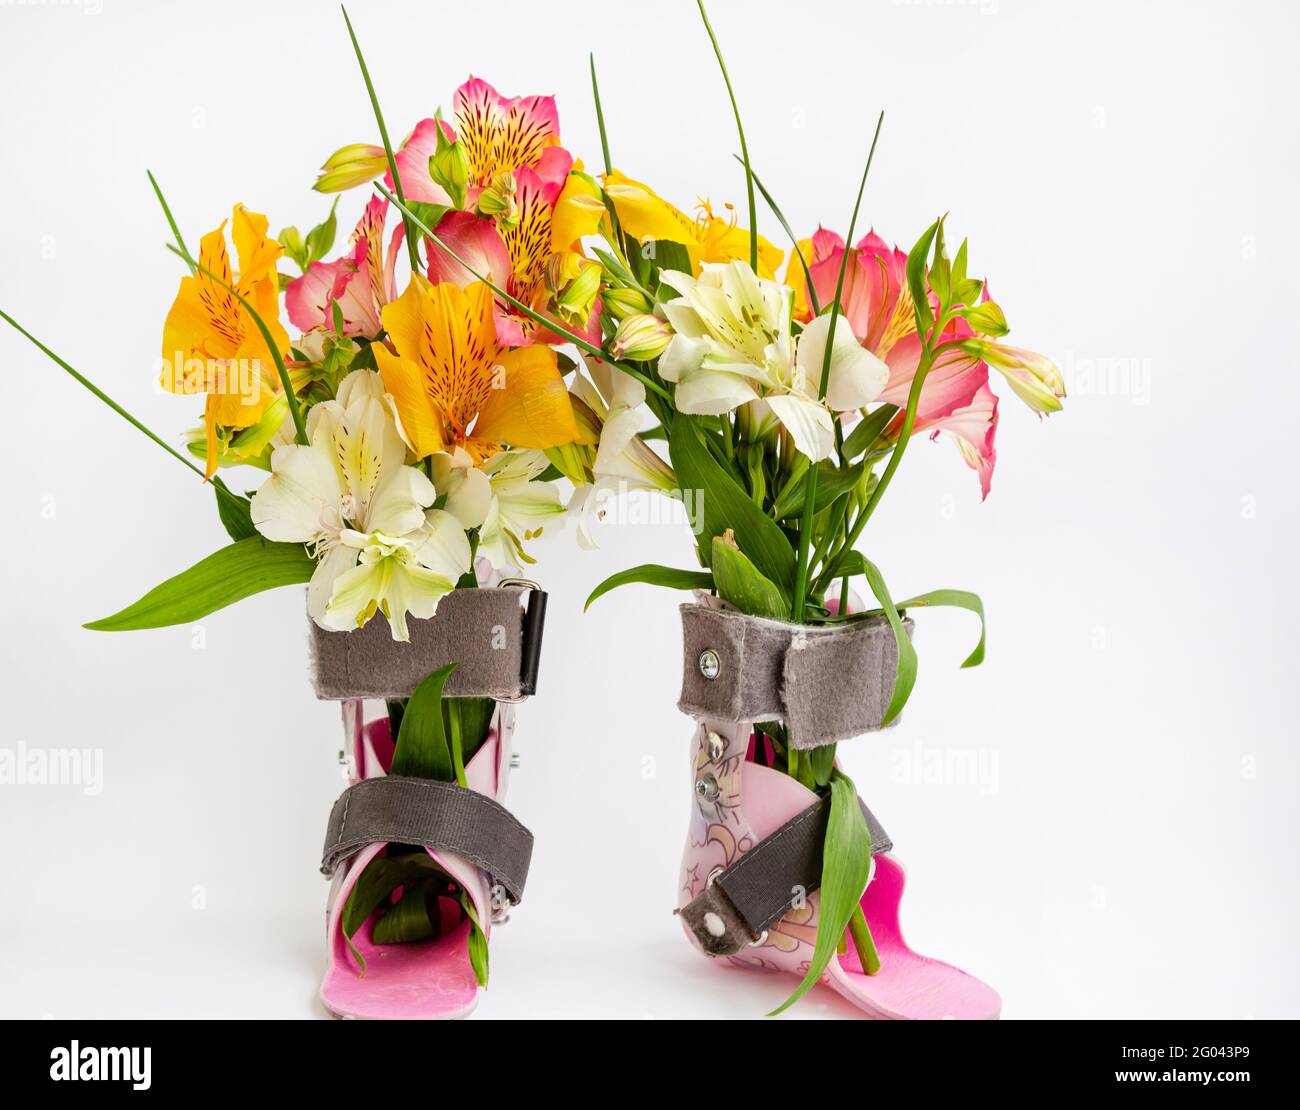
(707, 788)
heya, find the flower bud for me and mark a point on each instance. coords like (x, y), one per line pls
(574, 304)
(350, 166)
(621, 302)
(497, 201)
(449, 168)
(641, 337)
(1033, 378)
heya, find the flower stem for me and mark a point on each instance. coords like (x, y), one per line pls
(805, 527)
(862, 941)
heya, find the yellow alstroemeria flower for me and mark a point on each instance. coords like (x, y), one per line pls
(211, 344)
(708, 237)
(454, 387)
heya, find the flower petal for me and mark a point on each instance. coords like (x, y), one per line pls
(300, 500)
(809, 423)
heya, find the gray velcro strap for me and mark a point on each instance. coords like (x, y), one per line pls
(826, 682)
(440, 815)
(740, 902)
(484, 631)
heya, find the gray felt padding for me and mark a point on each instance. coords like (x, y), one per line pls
(481, 630)
(826, 682)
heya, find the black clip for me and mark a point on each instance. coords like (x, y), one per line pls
(530, 653)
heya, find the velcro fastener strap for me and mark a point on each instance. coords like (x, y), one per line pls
(493, 640)
(740, 902)
(826, 682)
(440, 815)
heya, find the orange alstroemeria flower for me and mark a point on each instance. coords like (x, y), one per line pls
(454, 387)
(211, 344)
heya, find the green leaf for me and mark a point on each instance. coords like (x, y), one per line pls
(652, 574)
(832, 481)
(822, 763)
(380, 878)
(240, 570)
(905, 679)
(477, 941)
(916, 261)
(421, 749)
(320, 239)
(742, 584)
(413, 918)
(723, 504)
(958, 599)
(236, 512)
(846, 863)
(868, 430)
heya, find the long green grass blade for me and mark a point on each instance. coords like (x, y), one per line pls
(794, 239)
(744, 148)
(82, 380)
(411, 247)
(171, 222)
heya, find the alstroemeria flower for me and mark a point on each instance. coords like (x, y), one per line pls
(454, 385)
(361, 282)
(707, 238)
(520, 507)
(612, 402)
(515, 258)
(956, 399)
(733, 346)
(211, 344)
(499, 135)
(366, 515)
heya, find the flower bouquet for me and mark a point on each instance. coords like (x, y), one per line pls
(787, 404)
(410, 435)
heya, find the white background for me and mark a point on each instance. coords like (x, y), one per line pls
(1126, 174)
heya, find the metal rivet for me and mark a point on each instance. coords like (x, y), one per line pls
(717, 746)
(710, 664)
(707, 788)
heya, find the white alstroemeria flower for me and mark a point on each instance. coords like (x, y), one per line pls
(520, 507)
(365, 513)
(733, 346)
(466, 492)
(623, 460)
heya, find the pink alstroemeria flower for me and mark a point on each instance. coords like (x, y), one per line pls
(513, 257)
(500, 135)
(361, 282)
(956, 399)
